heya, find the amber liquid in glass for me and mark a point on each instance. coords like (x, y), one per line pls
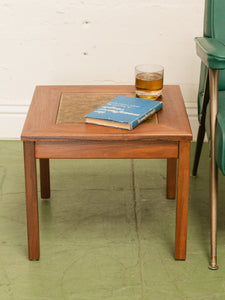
(149, 85)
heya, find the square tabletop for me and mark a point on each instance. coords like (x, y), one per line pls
(46, 120)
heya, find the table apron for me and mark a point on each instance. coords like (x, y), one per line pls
(106, 149)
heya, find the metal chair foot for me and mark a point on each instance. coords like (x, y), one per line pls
(213, 267)
(213, 264)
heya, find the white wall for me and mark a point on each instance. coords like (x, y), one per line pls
(93, 42)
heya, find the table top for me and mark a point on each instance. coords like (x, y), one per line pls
(44, 123)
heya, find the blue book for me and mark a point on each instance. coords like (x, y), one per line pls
(124, 112)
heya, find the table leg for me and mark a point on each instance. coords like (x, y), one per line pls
(44, 178)
(171, 178)
(31, 200)
(182, 200)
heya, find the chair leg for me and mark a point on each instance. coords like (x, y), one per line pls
(201, 129)
(213, 81)
(200, 139)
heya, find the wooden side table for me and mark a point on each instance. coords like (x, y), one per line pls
(47, 136)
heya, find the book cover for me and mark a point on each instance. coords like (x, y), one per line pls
(124, 112)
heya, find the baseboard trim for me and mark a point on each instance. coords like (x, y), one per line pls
(12, 118)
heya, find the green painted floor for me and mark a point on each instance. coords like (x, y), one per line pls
(107, 234)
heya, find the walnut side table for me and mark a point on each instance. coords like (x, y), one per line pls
(46, 136)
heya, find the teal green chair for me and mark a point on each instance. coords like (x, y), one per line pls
(211, 103)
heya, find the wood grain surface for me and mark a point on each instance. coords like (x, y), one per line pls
(41, 122)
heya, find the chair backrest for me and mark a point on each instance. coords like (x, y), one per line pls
(214, 20)
(214, 27)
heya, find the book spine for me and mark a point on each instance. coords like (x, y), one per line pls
(138, 121)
